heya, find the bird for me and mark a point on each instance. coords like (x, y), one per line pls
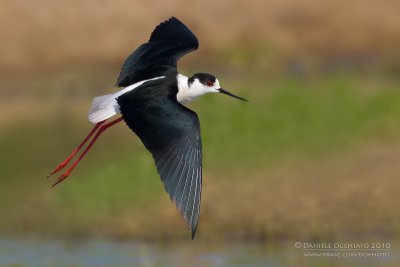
(151, 103)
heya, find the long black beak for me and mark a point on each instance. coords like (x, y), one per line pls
(222, 91)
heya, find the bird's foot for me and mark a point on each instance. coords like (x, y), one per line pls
(57, 169)
(63, 164)
(60, 179)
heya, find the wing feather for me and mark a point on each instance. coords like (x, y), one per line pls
(171, 132)
(167, 44)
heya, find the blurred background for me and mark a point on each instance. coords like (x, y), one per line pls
(314, 157)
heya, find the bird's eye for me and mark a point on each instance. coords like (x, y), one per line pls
(210, 83)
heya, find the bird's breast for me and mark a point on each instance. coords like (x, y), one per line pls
(184, 97)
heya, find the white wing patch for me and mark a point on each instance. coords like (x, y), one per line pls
(106, 106)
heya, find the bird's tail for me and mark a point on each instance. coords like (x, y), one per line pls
(103, 107)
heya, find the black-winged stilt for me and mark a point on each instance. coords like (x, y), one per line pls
(151, 105)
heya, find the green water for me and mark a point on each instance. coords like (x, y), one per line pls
(111, 253)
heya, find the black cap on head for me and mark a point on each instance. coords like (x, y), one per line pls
(204, 78)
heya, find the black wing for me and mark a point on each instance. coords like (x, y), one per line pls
(171, 132)
(167, 44)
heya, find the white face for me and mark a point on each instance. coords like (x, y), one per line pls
(190, 89)
(201, 88)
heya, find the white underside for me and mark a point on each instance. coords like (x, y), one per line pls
(106, 106)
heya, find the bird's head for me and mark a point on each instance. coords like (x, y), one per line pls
(204, 83)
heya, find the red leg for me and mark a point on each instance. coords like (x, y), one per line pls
(99, 132)
(68, 159)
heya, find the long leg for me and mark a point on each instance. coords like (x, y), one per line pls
(68, 159)
(99, 132)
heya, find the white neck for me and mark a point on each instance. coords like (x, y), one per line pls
(186, 94)
(183, 89)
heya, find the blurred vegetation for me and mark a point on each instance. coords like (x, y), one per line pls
(290, 122)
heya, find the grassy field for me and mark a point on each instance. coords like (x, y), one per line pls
(308, 156)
